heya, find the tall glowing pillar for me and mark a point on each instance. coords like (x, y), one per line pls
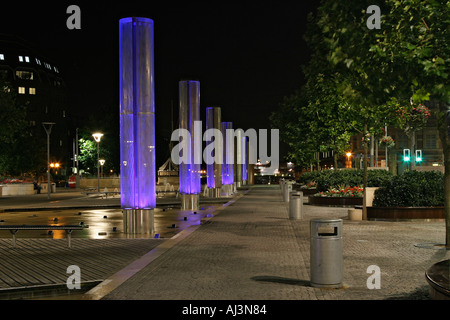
(137, 124)
(190, 179)
(228, 162)
(214, 170)
(244, 160)
(238, 159)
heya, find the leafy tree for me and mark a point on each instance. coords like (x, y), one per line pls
(347, 44)
(291, 118)
(415, 35)
(19, 148)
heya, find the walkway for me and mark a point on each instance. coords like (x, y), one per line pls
(252, 251)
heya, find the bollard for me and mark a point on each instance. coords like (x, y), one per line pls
(296, 206)
(326, 253)
(286, 193)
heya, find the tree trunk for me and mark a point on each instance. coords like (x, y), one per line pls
(366, 151)
(335, 160)
(412, 146)
(372, 145)
(444, 136)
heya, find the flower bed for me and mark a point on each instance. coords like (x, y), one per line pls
(349, 192)
(348, 196)
(335, 201)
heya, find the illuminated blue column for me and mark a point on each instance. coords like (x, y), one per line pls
(214, 170)
(137, 124)
(238, 160)
(244, 160)
(228, 162)
(190, 179)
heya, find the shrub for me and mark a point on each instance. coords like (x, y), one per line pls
(412, 189)
(350, 178)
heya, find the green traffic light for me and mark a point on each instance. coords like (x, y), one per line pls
(407, 159)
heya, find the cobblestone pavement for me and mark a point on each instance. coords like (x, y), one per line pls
(251, 251)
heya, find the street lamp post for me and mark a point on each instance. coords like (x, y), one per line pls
(97, 137)
(102, 162)
(48, 129)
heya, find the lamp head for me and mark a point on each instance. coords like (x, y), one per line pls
(97, 136)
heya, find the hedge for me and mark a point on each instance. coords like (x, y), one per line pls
(412, 189)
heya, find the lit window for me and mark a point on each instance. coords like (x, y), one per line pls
(21, 90)
(24, 75)
(38, 61)
(2, 56)
(20, 58)
(32, 91)
(27, 59)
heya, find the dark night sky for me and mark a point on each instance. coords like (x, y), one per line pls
(247, 56)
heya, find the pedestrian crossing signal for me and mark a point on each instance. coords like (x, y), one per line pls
(406, 155)
(419, 156)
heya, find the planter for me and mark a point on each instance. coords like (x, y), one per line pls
(19, 189)
(335, 201)
(355, 214)
(394, 213)
(307, 192)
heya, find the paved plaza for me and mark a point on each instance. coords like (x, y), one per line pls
(245, 249)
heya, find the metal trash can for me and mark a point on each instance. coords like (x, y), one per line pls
(296, 205)
(326, 253)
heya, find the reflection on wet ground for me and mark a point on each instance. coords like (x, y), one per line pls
(103, 223)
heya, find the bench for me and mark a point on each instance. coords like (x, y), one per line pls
(438, 280)
(68, 228)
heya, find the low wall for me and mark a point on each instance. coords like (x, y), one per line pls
(429, 168)
(104, 183)
(20, 189)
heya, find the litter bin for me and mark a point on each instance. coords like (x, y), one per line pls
(296, 205)
(326, 253)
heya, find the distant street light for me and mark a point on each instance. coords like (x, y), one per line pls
(48, 129)
(349, 164)
(97, 137)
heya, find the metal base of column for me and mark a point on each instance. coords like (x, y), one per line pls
(214, 193)
(139, 221)
(227, 190)
(190, 201)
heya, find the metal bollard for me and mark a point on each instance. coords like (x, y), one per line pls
(287, 191)
(296, 205)
(326, 253)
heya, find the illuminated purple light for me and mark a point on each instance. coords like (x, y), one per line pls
(190, 178)
(214, 170)
(227, 168)
(137, 113)
(244, 158)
